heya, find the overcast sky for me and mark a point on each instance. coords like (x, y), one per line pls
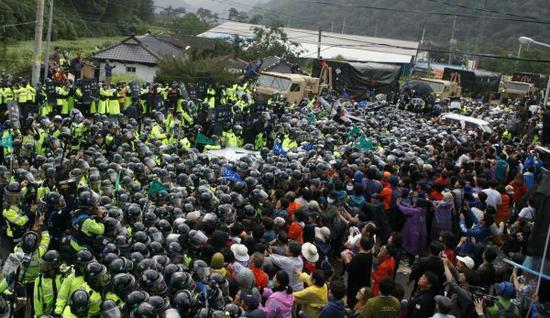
(217, 6)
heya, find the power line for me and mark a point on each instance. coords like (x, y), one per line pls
(486, 10)
(427, 12)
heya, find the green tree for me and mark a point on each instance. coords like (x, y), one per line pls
(271, 41)
(236, 15)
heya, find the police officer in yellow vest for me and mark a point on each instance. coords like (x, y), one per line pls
(113, 107)
(211, 97)
(86, 222)
(6, 95)
(62, 94)
(47, 284)
(33, 246)
(22, 97)
(104, 95)
(16, 220)
(73, 282)
(232, 138)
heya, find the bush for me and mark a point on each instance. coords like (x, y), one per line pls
(195, 69)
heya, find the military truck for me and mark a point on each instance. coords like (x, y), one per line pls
(443, 89)
(292, 86)
(513, 89)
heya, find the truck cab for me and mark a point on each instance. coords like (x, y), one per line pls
(513, 89)
(443, 89)
(292, 86)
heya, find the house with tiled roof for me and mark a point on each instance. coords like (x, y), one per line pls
(140, 55)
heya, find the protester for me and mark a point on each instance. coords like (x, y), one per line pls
(124, 203)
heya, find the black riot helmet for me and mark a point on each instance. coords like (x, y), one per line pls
(109, 309)
(50, 261)
(124, 284)
(29, 242)
(96, 275)
(79, 302)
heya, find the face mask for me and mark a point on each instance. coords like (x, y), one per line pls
(349, 188)
(330, 201)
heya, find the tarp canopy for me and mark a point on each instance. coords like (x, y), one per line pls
(421, 89)
(357, 79)
(475, 81)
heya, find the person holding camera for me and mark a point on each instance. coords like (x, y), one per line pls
(24, 268)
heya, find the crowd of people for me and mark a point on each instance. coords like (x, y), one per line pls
(116, 207)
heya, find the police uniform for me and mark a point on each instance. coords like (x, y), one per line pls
(85, 229)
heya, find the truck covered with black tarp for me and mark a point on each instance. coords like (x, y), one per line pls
(474, 82)
(358, 79)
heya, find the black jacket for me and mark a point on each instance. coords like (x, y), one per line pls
(421, 305)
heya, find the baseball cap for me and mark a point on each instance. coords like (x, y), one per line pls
(467, 260)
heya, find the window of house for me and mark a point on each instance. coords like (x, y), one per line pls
(130, 69)
(295, 87)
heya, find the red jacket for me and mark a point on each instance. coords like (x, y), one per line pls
(296, 232)
(385, 269)
(260, 277)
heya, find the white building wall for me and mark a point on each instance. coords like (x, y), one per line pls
(144, 72)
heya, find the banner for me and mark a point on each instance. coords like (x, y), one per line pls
(231, 175)
(156, 187)
(354, 131)
(278, 149)
(364, 143)
(7, 142)
(202, 139)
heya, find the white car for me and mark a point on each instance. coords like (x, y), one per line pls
(467, 122)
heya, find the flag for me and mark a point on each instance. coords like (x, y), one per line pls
(346, 94)
(364, 143)
(7, 142)
(308, 146)
(278, 149)
(311, 119)
(231, 175)
(156, 187)
(354, 131)
(202, 139)
(117, 183)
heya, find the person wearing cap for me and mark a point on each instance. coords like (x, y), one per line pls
(240, 252)
(422, 302)
(315, 296)
(505, 292)
(443, 306)
(311, 257)
(458, 286)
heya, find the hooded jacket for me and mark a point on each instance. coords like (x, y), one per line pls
(279, 305)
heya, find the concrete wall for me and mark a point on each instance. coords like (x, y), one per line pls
(144, 72)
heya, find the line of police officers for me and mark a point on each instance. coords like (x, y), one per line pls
(58, 153)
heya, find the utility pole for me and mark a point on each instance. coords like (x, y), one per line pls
(452, 40)
(343, 25)
(37, 42)
(319, 45)
(48, 40)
